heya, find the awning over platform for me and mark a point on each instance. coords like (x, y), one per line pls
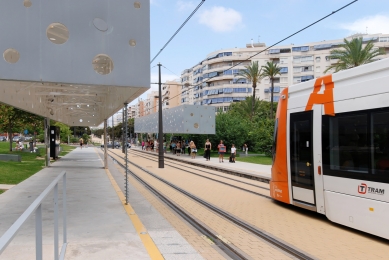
(76, 62)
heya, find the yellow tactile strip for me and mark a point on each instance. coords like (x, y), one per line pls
(251, 245)
(306, 230)
(147, 241)
(201, 245)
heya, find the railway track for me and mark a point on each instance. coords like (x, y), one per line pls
(229, 248)
(263, 189)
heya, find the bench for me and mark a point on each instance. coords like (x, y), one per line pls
(10, 157)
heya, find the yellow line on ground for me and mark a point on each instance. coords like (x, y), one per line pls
(147, 241)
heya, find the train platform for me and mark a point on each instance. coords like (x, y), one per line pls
(99, 224)
(248, 170)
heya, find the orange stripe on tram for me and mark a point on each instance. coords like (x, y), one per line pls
(327, 98)
(279, 172)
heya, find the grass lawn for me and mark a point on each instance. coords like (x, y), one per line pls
(2, 191)
(16, 172)
(266, 160)
(65, 149)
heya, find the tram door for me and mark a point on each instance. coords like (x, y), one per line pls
(301, 158)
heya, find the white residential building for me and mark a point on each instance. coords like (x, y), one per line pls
(215, 81)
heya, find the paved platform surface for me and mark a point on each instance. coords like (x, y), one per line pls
(6, 186)
(257, 170)
(98, 225)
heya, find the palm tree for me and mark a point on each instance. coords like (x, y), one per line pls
(253, 74)
(271, 70)
(353, 54)
(244, 108)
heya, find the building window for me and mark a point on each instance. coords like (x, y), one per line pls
(306, 78)
(299, 59)
(318, 59)
(317, 68)
(283, 70)
(302, 69)
(274, 51)
(283, 79)
(384, 39)
(227, 72)
(301, 48)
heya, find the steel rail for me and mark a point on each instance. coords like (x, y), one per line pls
(226, 248)
(228, 184)
(250, 184)
(259, 233)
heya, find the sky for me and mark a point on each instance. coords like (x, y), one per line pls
(223, 24)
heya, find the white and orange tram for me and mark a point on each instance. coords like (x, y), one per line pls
(331, 147)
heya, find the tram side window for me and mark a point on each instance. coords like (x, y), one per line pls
(356, 145)
(348, 142)
(380, 140)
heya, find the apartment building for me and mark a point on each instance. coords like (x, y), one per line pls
(132, 111)
(151, 103)
(215, 81)
(171, 92)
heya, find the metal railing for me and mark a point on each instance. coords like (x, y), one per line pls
(36, 207)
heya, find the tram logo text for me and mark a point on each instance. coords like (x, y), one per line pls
(363, 188)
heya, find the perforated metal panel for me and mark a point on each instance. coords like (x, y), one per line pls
(185, 119)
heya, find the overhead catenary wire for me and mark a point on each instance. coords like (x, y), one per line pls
(182, 25)
(293, 34)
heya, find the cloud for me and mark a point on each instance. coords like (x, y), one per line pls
(185, 5)
(375, 24)
(221, 19)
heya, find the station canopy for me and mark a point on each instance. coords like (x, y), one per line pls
(75, 62)
(185, 119)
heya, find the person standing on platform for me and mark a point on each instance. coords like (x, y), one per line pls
(143, 145)
(81, 142)
(193, 150)
(245, 148)
(233, 153)
(178, 148)
(207, 150)
(222, 149)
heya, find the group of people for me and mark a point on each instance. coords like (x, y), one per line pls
(153, 146)
(222, 149)
(19, 146)
(180, 147)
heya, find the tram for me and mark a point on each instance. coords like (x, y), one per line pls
(331, 147)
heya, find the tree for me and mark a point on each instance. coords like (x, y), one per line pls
(229, 128)
(34, 124)
(271, 70)
(12, 120)
(253, 74)
(64, 131)
(243, 109)
(353, 54)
